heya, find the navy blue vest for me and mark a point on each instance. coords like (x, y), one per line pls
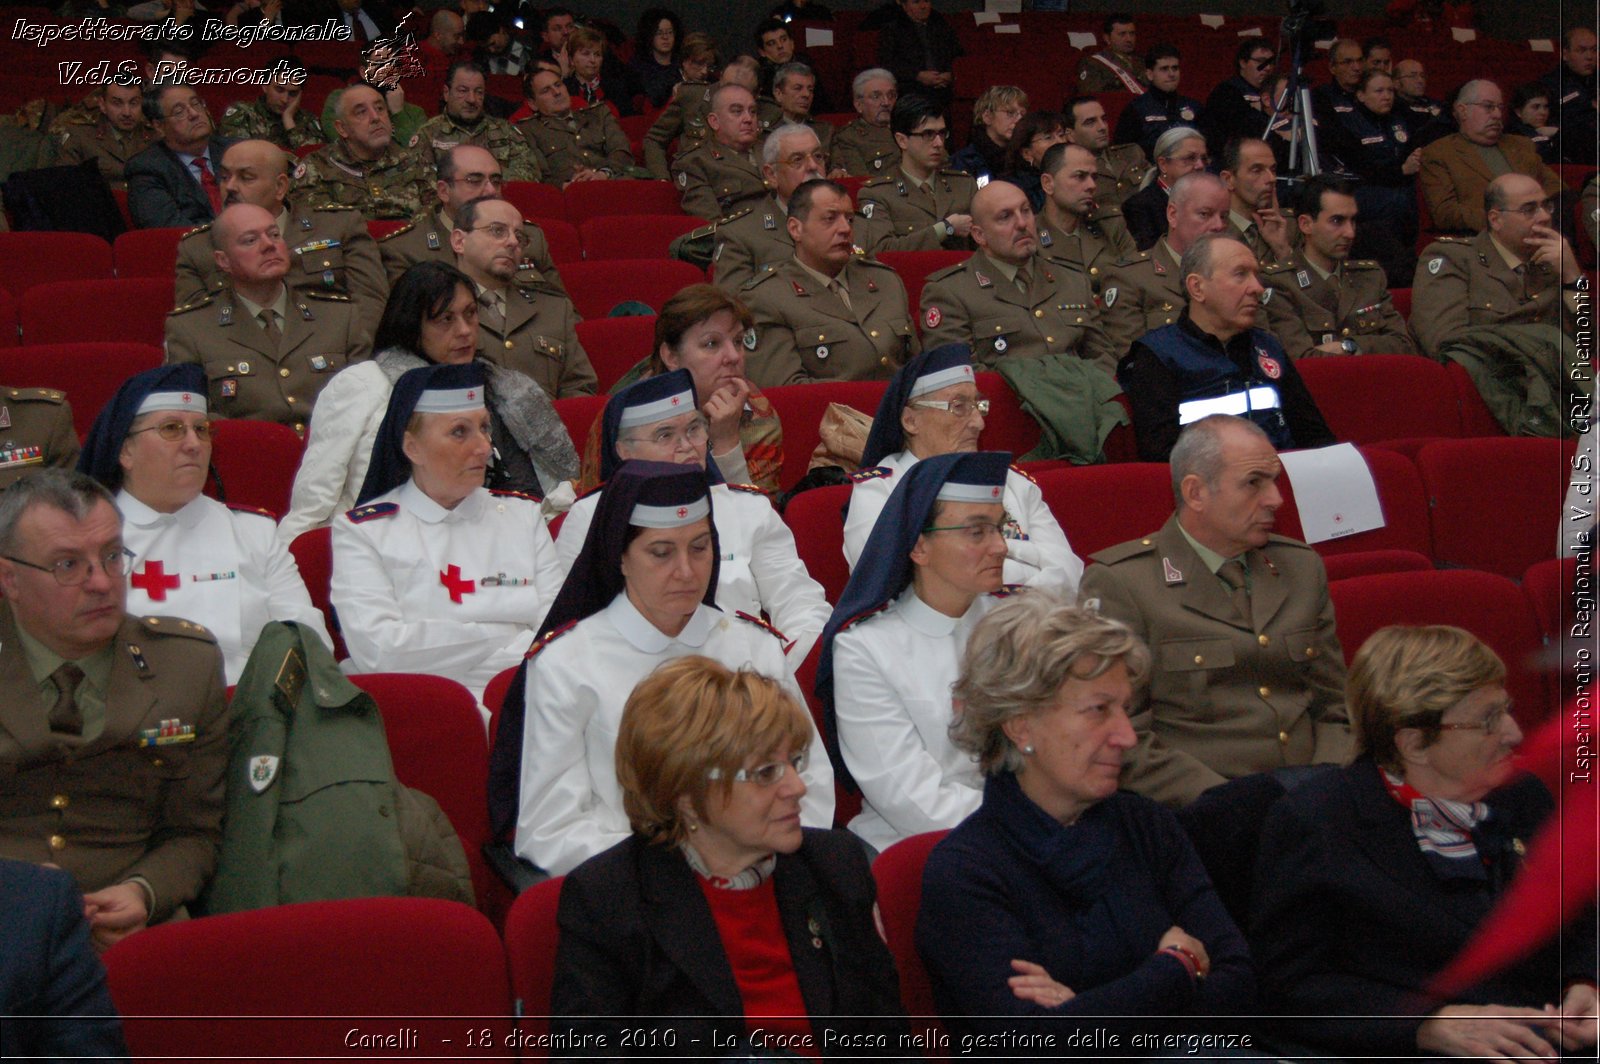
(1203, 372)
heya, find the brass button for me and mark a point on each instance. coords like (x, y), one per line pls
(884, 361)
(1199, 659)
(1311, 652)
(1264, 692)
(157, 762)
(1038, 313)
(57, 842)
(509, 345)
(1049, 339)
(58, 802)
(284, 372)
(300, 427)
(326, 264)
(1283, 737)
(289, 399)
(1344, 332)
(873, 333)
(1263, 640)
(1144, 543)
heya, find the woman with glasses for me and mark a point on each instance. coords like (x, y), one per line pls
(889, 654)
(431, 318)
(717, 919)
(215, 566)
(640, 593)
(1372, 878)
(932, 407)
(655, 54)
(760, 571)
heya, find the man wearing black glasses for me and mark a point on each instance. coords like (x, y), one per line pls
(1232, 109)
(113, 729)
(923, 205)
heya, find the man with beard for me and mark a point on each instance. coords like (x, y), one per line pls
(464, 121)
(924, 206)
(866, 145)
(174, 181)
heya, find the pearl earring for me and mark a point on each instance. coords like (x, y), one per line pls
(693, 826)
(1028, 749)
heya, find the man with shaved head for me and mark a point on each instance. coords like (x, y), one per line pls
(439, 48)
(1456, 170)
(330, 249)
(722, 173)
(364, 168)
(267, 350)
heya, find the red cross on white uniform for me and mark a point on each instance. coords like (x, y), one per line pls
(451, 579)
(153, 581)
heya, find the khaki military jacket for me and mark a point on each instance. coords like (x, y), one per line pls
(427, 239)
(683, 120)
(1464, 282)
(910, 215)
(1141, 294)
(1094, 76)
(714, 180)
(109, 148)
(36, 432)
(804, 332)
(863, 148)
(518, 159)
(1303, 310)
(769, 122)
(538, 337)
(583, 138)
(250, 120)
(747, 241)
(393, 185)
(1097, 244)
(1118, 173)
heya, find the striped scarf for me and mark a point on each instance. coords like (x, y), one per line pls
(1443, 829)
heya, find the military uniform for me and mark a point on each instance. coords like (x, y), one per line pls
(86, 112)
(518, 159)
(330, 250)
(35, 433)
(584, 137)
(536, 334)
(138, 798)
(823, 130)
(746, 242)
(109, 147)
(715, 179)
(1250, 233)
(683, 120)
(390, 186)
(1463, 283)
(426, 238)
(974, 303)
(1095, 73)
(804, 332)
(1141, 294)
(1229, 694)
(1118, 173)
(251, 120)
(245, 377)
(913, 215)
(863, 148)
(1304, 309)
(1098, 243)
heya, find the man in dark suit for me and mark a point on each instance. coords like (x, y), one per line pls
(174, 181)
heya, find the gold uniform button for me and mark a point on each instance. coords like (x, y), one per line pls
(58, 802)
(284, 372)
(1144, 543)
(1049, 339)
(1094, 271)
(1038, 313)
(289, 399)
(1311, 652)
(884, 361)
(300, 427)
(157, 762)
(1199, 659)
(1283, 737)
(1264, 692)
(1344, 332)
(57, 842)
(1263, 640)
(326, 264)
(873, 334)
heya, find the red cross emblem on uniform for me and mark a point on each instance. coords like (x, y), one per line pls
(451, 579)
(676, 400)
(1269, 365)
(186, 398)
(994, 493)
(153, 581)
(683, 511)
(471, 394)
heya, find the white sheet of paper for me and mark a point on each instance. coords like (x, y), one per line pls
(1334, 492)
(818, 37)
(1253, 31)
(1081, 40)
(1463, 35)
(1008, 27)
(1543, 44)
(984, 18)
(1211, 21)
(1003, 7)
(1324, 46)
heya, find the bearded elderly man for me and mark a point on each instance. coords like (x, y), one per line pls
(1249, 674)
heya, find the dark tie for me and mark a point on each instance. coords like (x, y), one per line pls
(208, 181)
(65, 718)
(1232, 574)
(269, 325)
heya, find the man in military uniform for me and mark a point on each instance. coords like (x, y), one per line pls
(464, 121)
(682, 120)
(721, 174)
(330, 249)
(465, 173)
(576, 144)
(1120, 168)
(114, 731)
(1249, 673)
(1411, 100)
(867, 145)
(794, 88)
(1008, 300)
(36, 433)
(921, 205)
(1250, 172)
(524, 323)
(1072, 229)
(364, 168)
(1321, 303)
(1145, 292)
(275, 115)
(1159, 109)
(1520, 270)
(119, 134)
(752, 238)
(267, 350)
(1457, 169)
(826, 314)
(1115, 68)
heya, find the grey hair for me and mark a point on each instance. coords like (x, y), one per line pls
(67, 490)
(792, 69)
(1468, 93)
(1190, 183)
(150, 100)
(1016, 660)
(721, 90)
(858, 87)
(1198, 451)
(774, 145)
(1167, 144)
(1198, 255)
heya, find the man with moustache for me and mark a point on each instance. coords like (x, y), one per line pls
(1073, 229)
(120, 133)
(922, 205)
(866, 145)
(464, 121)
(364, 168)
(174, 181)
(1456, 170)
(721, 174)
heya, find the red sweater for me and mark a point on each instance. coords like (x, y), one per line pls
(758, 951)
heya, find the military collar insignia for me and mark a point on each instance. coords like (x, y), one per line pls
(1171, 573)
(1435, 264)
(982, 279)
(1045, 240)
(1302, 278)
(799, 291)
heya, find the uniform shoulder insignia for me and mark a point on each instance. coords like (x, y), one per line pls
(204, 301)
(765, 626)
(174, 626)
(875, 473)
(734, 217)
(1024, 474)
(548, 638)
(325, 295)
(36, 395)
(766, 273)
(863, 615)
(1454, 240)
(372, 511)
(1007, 590)
(1286, 541)
(196, 230)
(1361, 264)
(331, 207)
(245, 508)
(863, 258)
(948, 271)
(876, 181)
(749, 489)
(1123, 551)
(508, 493)
(1277, 267)
(403, 229)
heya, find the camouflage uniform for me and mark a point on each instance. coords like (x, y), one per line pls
(517, 158)
(250, 120)
(391, 186)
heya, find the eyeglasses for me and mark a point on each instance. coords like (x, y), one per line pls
(1492, 108)
(1193, 158)
(1010, 112)
(930, 134)
(961, 408)
(174, 431)
(768, 775)
(799, 159)
(1488, 725)
(479, 180)
(878, 97)
(694, 434)
(1528, 210)
(184, 110)
(70, 572)
(499, 231)
(975, 533)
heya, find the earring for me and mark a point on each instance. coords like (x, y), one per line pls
(1027, 750)
(693, 826)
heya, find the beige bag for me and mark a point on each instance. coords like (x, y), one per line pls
(844, 436)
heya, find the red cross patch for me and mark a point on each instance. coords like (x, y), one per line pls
(186, 398)
(676, 400)
(451, 579)
(1269, 365)
(471, 394)
(154, 581)
(683, 511)
(932, 318)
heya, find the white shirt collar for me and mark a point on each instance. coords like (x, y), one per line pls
(413, 500)
(930, 622)
(137, 513)
(647, 638)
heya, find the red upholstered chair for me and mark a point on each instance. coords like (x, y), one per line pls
(817, 521)
(565, 243)
(535, 199)
(382, 227)
(531, 938)
(600, 199)
(313, 556)
(439, 746)
(8, 320)
(632, 236)
(1548, 587)
(800, 408)
(147, 252)
(295, 980)
(852, 185)
(1383, 397)
(616, 345)
(914, 268)
(1400, 494)
(1368, 562)
(1008, 427)
(578, 413)
(494, 696)
(1495, 504)
(90, 374)
(1476, 420)
(1489, 606)
(121, 196)
(111, 311)
(28, 259)
(597, 287)
(255, 462)
(898, 872)
(1402, 302)
(1100, 506)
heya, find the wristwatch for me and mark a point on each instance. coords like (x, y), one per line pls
(1349, 347)
(946, 230)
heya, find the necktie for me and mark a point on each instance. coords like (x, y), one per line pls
(844, 296)
(1232, 574)
(495, 315)
(1025, 279)
(269, 325)
(65, 717)
(208, 181)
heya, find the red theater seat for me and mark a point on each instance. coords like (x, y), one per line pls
(147, 252)
(600, 199)
(578, 413)
(1548, 587)
(815, 517)
(914, 268)
(531, 939)
(1476, 419)
(313, 556)
(1383, 397)
(8, 319)
(1099, 506)
(597, 287)
(898, 872)
(616, 345)
(29, 259)
(90, 374)
(565, 243)
(633, 236)
(800, 408)
(255, 462)
(109, 311)
(1495, 504)
(1400, 494)
(535, 199)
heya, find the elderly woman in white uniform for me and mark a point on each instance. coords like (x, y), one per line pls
(433, 572)
(893, 647)
(640, 593)
(658, 420)
(193, 557)
(933, 407)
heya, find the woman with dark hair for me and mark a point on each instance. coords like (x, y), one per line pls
(655, 54)
(431, 317)
(1382, 152)
(1036, 133)
(1530, 117)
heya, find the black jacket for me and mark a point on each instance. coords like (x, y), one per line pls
(900, 52)
(164, 193)
(1145, 213)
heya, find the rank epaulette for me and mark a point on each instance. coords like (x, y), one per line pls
(514, 494)
(347, 207)
(750, 488)
(875, 473)
(326, 296)
(372, 511)
(863, 615)
(204, 301)
(548, 638)
(403, 229)
(170, 626)
(47, 395)
(1024, 474)
(246, 508)
(765, 626)
(196, 229)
